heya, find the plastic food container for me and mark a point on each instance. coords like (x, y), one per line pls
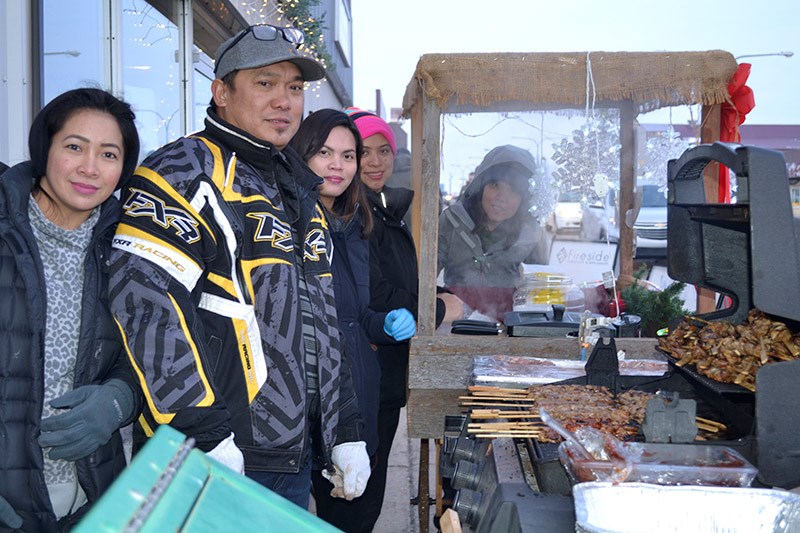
(550, 288)
(667, 464)
(637, 507)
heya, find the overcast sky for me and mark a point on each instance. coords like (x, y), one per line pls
(389, 38)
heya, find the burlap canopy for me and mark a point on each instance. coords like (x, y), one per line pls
(649, 79)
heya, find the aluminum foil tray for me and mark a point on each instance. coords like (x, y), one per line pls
(505, 371)
(636, 507)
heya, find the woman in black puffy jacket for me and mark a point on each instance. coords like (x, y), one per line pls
(66, 386)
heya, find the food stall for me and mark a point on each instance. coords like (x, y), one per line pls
(442, 364)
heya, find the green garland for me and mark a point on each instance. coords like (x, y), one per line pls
(298, 12)
(657, 309)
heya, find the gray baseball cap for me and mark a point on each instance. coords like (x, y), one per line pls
(261, 45)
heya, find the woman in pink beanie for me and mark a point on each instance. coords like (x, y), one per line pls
(392, 244)
(380, 147)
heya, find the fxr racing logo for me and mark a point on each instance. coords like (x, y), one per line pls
(141, 204)
(152, 252)
(316, 246)
(271, 229)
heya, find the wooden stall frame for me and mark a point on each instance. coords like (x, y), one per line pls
(440, 365)
(426, 105)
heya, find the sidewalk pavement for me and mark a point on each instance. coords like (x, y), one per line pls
(398, 515)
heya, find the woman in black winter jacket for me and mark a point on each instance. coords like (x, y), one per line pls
(65, 383)
(331, 146)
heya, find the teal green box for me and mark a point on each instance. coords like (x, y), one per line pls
(169, 486)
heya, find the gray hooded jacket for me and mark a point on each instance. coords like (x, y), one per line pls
(469, 260)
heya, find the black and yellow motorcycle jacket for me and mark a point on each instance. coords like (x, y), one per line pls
(204, 285)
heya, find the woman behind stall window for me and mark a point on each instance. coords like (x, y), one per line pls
(486, 236)
(65, 384)
(331, 146)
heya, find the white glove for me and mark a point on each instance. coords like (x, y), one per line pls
(352, 470)
(228, 454)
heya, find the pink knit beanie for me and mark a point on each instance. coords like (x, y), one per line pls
(369, 124)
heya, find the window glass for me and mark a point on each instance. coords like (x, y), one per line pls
(71, 58)
(524, 218)
(652, 197)
(151, 73)
(559, 183)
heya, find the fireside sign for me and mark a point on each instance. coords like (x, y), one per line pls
(583, 261)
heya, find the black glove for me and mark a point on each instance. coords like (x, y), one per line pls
(8, 517)
(95, 413)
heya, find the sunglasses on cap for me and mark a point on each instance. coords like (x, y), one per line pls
(267, 32)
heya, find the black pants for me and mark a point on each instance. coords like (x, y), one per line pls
(360, 515)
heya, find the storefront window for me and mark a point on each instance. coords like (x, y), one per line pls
(151, 73)
(148, 74)
(72, 58)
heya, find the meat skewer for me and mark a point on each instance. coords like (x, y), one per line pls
(572, 405)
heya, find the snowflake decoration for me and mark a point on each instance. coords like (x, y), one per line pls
(592, 151)
(542, 202)
(662, 147)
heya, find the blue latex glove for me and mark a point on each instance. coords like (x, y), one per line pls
(94, 413)
(400, 324)
(8, 517)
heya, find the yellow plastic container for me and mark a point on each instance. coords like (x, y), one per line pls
(549, 288)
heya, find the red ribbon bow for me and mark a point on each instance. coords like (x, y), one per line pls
(733, 114)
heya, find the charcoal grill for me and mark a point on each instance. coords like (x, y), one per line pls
(747, 251)
(750, 252)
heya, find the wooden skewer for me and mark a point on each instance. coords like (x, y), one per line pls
(501, 436)
(706, 427)
(492, 394)
(499, 390)
(492, 387)
(506, 426)
(489, 404)
(710, 422)
(509, 398)
(512, 423)
(500, 415)
(506, 429)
